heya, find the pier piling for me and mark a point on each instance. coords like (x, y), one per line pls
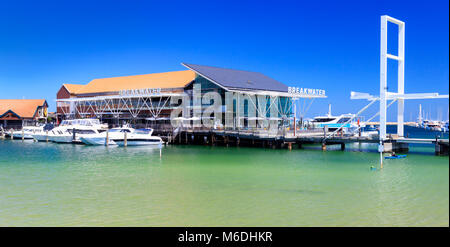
(11, 136)
(125, 139)
(441, 148)
(107, 139)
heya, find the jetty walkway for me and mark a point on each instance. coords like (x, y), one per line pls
(287, 139)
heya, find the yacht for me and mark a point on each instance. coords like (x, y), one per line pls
(73, 135)
(70, 131)
(432, 125)
(100, 138)
(139, 137)
(41, 134)
(370, 131)
(336, 122)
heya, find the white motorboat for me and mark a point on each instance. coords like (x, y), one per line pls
(139, 137)
(73, 135)
(100, 138)
(41, 135)
(70, 131)
(335, 122)
(371, 131)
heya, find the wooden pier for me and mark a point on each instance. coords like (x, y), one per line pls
(287, 139)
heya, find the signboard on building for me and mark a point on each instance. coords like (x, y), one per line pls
(306, 91)
(138, 92)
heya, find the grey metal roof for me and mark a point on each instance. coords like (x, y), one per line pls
(238, 79)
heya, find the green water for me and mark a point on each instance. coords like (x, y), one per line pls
(46, 184)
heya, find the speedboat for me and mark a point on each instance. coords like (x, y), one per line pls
(73, 135)
(27, 132)
(41, 135)
(70, 131)
(433, 125)
(370, 131)
(100, 138)
(335, 122)
(138, 137)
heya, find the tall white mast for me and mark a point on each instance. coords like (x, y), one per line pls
(420, 113)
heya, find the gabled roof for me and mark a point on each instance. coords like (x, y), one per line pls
(175, 79)
(237, 79)
(73, 88)
(25, 108)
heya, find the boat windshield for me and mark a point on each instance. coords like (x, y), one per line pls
(78, 131)
(143, 131)
(119, 130)
(87, 122)
(84, 122)
(66, 122)
(322, 120)
(343, 120)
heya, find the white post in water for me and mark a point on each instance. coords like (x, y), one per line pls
(125, 139)
(107, 138)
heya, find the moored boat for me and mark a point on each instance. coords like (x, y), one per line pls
(335, 122)
(111, 135)
(70, 131)
(139, 137)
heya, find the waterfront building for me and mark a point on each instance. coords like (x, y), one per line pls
(66, 91)
(151, 98)
(15, 113)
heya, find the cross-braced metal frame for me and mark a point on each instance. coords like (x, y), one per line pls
(151, 106)
(118, 106)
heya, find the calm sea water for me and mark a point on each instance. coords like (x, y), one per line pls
(46, 184)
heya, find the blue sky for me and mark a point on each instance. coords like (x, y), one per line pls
(333, 45)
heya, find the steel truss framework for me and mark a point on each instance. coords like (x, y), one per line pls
(116, 106)
(151, 106)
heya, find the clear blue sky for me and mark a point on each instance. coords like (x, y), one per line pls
(333, 45)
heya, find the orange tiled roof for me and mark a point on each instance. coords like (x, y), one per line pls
(25, 108)
(175, 79)
(72, 88)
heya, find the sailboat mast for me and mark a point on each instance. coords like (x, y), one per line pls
(420, 113)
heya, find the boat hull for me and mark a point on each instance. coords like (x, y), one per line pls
(19, 136)
(139, 142)
(96, 141)
(61, 138)
(40, 138)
